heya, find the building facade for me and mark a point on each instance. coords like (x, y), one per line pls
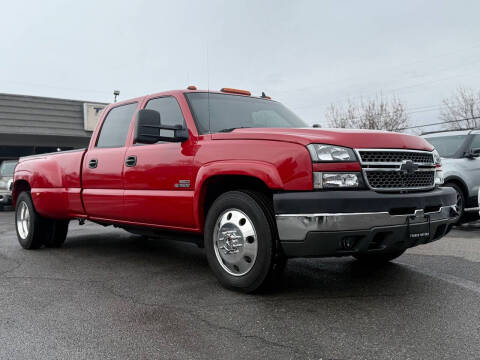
(33, 125)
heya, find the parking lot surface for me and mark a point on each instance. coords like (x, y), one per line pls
(108, 294)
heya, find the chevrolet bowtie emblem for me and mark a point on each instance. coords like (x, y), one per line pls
(408, 167)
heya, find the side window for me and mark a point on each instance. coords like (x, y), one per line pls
(170, 112)
(115, 127)
(476, 142)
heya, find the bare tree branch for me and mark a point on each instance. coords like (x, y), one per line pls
(462, 109)
(375, 114)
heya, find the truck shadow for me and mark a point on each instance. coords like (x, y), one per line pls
(179, 265)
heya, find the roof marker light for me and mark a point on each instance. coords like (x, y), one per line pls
(192, 87)
(236, 91)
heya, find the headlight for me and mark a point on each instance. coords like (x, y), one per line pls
(438, 168)
(321, 152)
(323, 180)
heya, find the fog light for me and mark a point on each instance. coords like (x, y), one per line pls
(335, 180)
(348, 242)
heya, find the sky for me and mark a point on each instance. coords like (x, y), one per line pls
(306, 54)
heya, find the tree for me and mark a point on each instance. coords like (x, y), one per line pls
(376, 114)
(462, 110)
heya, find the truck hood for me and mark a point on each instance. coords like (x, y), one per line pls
(358, 139)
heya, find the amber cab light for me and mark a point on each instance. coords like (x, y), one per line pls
(192, 87)
(236, 91)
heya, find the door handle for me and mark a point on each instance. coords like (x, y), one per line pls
(131, 161)
(92, 164)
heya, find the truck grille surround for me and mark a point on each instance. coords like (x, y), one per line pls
(389, 170)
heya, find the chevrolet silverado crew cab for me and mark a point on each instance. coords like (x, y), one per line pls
(243, 176)
(460, 152)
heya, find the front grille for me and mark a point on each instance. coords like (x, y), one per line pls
(395, 156)
(397, 180)
(391, 170)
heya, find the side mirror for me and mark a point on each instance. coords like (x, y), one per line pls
(472, 154)
(148, 129)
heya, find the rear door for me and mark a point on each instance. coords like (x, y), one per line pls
(158, 177)
(102, 176)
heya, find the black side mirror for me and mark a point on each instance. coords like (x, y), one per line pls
(472, 154)
(148, 126)
(475, 152)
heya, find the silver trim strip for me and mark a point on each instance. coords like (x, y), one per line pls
(472, 209)
(296, 226)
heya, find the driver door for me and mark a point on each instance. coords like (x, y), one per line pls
(158, 182)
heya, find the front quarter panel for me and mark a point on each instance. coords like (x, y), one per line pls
(279, 165)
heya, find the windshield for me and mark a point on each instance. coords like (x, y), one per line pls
(228, 112)
(447, 146)
(7, 168)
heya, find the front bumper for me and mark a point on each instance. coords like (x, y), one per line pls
(5, 198)
(338, 223)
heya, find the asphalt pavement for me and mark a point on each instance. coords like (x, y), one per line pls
(111, 295)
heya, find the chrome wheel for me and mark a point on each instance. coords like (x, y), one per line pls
(23, 220)
(235, 242)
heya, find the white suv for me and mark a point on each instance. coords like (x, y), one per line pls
(460, 152)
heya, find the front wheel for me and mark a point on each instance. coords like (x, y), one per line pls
(241, 242)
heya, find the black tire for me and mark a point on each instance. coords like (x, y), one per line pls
(36, 230)
(59, 234)
(269, 262)
(460, 202)
(378, 258)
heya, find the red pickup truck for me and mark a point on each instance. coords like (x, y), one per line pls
(245, 178)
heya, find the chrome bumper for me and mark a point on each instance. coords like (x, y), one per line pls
(295, 227)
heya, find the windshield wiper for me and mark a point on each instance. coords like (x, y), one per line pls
(234, 128)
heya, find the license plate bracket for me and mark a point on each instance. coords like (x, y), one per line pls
(419, 232)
